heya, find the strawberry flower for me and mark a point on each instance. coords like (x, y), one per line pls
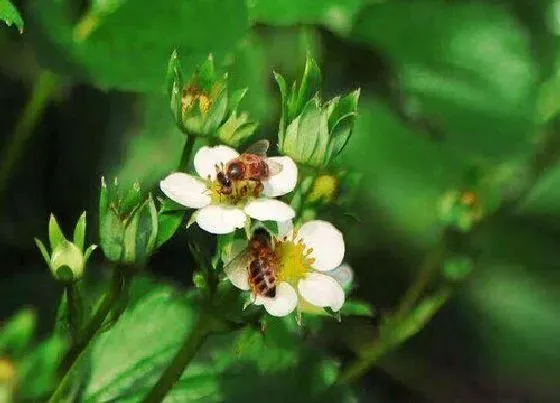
(303, 259)
(221, 214)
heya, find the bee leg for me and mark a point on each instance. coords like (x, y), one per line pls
(259, 188)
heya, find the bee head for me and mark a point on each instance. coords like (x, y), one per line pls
(236, 170)
(260, 239)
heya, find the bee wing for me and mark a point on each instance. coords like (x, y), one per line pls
(237, 270)
(258, 148)
(274, 168)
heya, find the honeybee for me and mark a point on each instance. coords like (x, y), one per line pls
(251, 167)
(259, 261)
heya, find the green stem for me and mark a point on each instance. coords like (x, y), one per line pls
(381, 345)
(173, 372)
(186, 155)
(90, 330)
(74, 302)
(43, 90)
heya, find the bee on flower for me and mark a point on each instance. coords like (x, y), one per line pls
(232, 188)
(292, 270)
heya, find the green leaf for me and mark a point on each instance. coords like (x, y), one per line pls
(56, 236)
(17, 332)
(477, 85)
(134, 351)
(128, 359)
(38, 370)
(126, 44)
(338, 15)
(80, 231)
(10, 15)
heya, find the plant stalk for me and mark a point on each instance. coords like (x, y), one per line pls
(186, 155)
(89, 332)
(44, 89)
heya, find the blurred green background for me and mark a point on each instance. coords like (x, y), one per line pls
(448, 88)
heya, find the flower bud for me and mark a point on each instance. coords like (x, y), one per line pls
(67, 262)
(461, 210)
(323, 189)
(310, 131)
(128, 224)
(67, 259)
(204, 106)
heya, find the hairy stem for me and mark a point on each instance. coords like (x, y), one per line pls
(173, 372)
(87, 335)
(75, 318)
(43, 90)
(186, 155)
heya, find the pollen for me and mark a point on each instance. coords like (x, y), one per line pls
(293, 259)
(241, 192)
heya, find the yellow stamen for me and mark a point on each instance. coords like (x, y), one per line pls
(241, 192)
(293, 259)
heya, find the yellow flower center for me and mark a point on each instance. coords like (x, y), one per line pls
(293, 259)
(240, 192)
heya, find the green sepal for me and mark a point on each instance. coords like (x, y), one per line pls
(357, 308)
(43, 250)
(341, 124)
(217, 112)
(236, 97)
(237, 129)
(192, 219)
(283, 115)
(56, 236)
(111, 235)
(80, 231)
(310, 86)
(88, 252)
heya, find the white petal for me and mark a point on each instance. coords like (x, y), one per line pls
(282, 304)
(285, 227)
(235, 264)
(220, 219)
(269, 210)
(326, 241)
(186, 190)
(283, 182)
(321, 290)
(206, 159)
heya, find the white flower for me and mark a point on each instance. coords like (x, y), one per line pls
(219, 213)
(302, 258)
